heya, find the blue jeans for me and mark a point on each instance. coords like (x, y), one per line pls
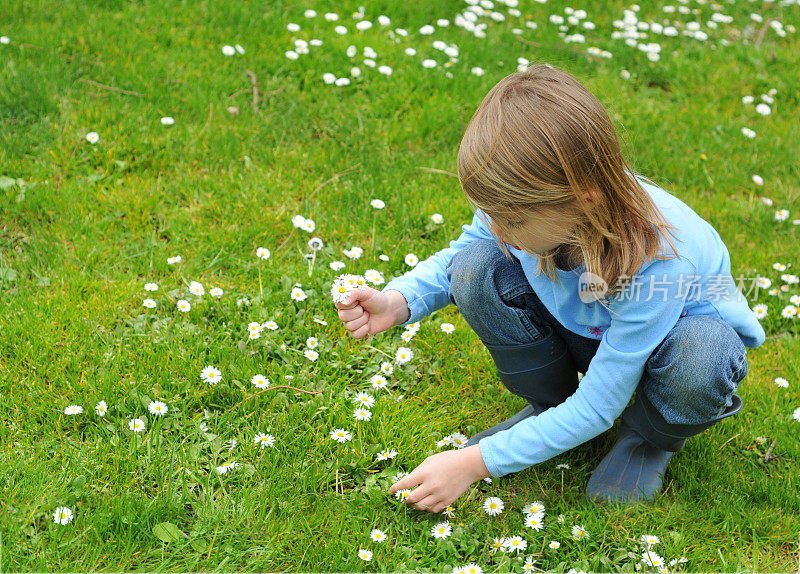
(690, 377)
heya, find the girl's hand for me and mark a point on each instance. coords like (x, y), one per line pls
(368, 311)
(442, 478)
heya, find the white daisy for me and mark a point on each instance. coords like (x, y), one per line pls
(378, 382)
(331, 16)
(211, 375)
(515, 544)
(264, 440)
(403, 355)
(410, 51)
(298, 294)
(365, 555)
(339, 292)
(649, 539)
(173, 260)
(271, 325)
(447, 328)
(760, 310)
(101, 408)
(374, 276)
(386, 454)
(377, 535)
(366, 400)
(312, 342)
(260, 381)
(493, 506)
(536, 507)
(441, 530)
(228, 50)
(263, 253)
(151, 286)
(311, 355)
(534, 521)
(157, 408)
(404, 493)
(228, 466)
(341, 435)
(428, 63)
(62, 515)
(563, 466)
(763, 109)
(748, 133)
(387, 368)
(196, 288)
(796, 414)
(216, 292)
(362, 414)
(472, 568)
(554, 544)
(242, 301)
(92, 137)
(781, 382)
(579, 532)
(789, 312)
(781, 214)
(458, 440)
(184, 306)
(498, 544)
(136, 425)
(758, 180)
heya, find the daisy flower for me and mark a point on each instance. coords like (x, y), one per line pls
(404, 493)
(563, 466)
(493, 506)
(515, 544)
(265, 440)
(196, 288)
(92, 137)
(760, 310)
(796, 414)
(406, 336)
(498, 544)
(167, 121)
(377, 203)
(263, 253)
(173, 260)
(184, 306)
(377, 535)
(378, 382)
(649, 539)
(748, 133)
(242, 301)
(528, 566)
(149, 303)
(758, 180)
(472, 568)
(362, 414)
(101, 408)
(779, 266)
(403, 355)
(365, 555)
(534, 521)
(228, 50)
(554, 544)
(374, 276)
(781, 382)
(311, 355)
(228, 466)
(260, 381)
(366, 400)
(650, 558)
(386, 455)
(763, 109)
(136, 425)
(534, 508)
(211, 375)
(271, 325)
(442, 442)
(341, 435)
(411, 260)
(789, 312)
(353, 252)
(458, 440)
(449, 511)
(157, 408)
(336, 265)
(151, 287)
(387, 368)
(560, 519)
(339, 292)
(795, 300)
(312, 342)
(761, 439)
(216, 292)
(62, 515)
(73, 410)
(579, 532)
(298, 294)
(441, 530)
(781, 214)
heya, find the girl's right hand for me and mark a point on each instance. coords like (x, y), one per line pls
(368, 311)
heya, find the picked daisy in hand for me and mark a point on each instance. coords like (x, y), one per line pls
(340, 292)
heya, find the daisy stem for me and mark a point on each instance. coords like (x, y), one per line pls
(260, 285)
(374, 217)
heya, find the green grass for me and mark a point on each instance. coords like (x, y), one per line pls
(85, 226)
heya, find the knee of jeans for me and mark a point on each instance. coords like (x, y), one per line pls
(469, 268)
(702, 356)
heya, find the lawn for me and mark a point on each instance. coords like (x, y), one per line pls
(164, 167)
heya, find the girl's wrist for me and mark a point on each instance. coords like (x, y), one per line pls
(400, 306)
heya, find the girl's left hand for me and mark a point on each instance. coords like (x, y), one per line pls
(442, 478)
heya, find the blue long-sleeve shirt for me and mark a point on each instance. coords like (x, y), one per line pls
(698, 282)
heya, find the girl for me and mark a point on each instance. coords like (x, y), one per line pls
(574, 265)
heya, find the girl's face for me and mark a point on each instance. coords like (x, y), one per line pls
(535, 232)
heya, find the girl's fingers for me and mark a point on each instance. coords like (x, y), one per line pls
(361, 332)
(409, 481)
(357, 323)
(350, 314)
(428, 503)
(418, 494)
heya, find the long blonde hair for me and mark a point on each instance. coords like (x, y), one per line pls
(539, 140)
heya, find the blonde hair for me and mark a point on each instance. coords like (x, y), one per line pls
(538, 141)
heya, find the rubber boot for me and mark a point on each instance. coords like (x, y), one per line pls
(633, 471)
(541, 372)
